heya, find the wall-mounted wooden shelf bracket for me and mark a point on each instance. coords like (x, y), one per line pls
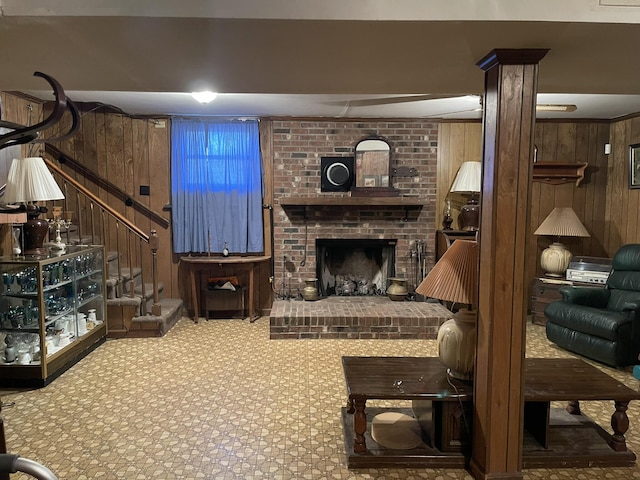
(556, 173)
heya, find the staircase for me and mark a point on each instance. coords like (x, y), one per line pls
(134, 304)
(136, 314)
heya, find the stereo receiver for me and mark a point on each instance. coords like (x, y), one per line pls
(589, 270)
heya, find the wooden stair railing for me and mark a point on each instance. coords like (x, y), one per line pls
(131, 230)
(108, 186)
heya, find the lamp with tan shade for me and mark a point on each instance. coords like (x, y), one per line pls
(455, 279)
(561, 222)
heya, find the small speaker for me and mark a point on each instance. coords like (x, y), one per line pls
(336, 174)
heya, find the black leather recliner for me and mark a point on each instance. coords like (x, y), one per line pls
(602, 323)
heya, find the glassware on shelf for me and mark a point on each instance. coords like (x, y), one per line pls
(8, 278)
(22, 278)
(40, 302)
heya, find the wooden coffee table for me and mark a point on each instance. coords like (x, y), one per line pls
(553, 437)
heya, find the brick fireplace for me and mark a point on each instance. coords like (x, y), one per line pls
(351, 268)
(409, 219)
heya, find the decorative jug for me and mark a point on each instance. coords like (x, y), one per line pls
(397, 290)
(310, 292)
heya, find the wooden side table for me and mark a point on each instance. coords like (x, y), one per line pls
(546, 290)
(197, 263)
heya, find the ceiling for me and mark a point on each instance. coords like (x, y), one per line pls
(329, 59)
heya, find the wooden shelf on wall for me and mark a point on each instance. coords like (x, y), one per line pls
(556, 173)
(407, 203)
(351, 201)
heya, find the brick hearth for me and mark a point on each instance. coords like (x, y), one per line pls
(356, 318)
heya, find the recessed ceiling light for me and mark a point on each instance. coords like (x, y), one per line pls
(204, 97)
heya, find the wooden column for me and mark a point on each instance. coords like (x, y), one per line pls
(508, 122)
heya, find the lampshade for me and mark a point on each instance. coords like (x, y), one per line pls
(455, 277)
(468, 178)
(29, 180)
(562, 222)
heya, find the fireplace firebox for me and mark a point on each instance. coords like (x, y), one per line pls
(354, 267)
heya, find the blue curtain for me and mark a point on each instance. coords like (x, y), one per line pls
(216, 186)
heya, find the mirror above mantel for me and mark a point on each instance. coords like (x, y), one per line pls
(373, 168)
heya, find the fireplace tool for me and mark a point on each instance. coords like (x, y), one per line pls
(417, 263)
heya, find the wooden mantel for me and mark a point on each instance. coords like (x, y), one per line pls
(354, 201)
(407, 203)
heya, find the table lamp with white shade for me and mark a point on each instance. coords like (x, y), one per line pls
(468, 182)
(455, 279)
(561, 222)
(29, 180)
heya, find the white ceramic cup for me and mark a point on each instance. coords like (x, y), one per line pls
(64, 339)
(24, 356)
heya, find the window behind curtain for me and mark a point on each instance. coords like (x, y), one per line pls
(216, 186)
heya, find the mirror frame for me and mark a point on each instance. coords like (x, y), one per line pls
(381, 179)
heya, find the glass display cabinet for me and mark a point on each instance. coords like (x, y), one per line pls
(52, 313)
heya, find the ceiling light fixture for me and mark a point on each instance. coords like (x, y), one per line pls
(556, 108)
(204, 97)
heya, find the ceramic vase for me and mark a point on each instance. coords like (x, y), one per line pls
(457, 344)
(555, 259)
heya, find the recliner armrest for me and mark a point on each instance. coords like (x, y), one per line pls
(587, 296)
(631, 307)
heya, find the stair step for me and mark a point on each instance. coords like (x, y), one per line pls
(112, 287)
(126, 273)
(120, 311)
(148, 290)
(157, 325)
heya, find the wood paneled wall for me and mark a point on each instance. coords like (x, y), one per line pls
(571, 142)
(457, 143)
(556, 141)
(129, 153)
(622, 211)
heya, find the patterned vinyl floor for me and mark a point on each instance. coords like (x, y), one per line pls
(219, 400)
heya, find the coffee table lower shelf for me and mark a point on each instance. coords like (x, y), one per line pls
(574, 441)
(378, 456)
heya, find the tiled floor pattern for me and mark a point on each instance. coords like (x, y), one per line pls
(219, 400)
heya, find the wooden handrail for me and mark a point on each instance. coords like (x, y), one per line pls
(94, 198)
(111, 188)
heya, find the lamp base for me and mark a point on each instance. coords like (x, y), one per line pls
(34, 231)
(555, 259)
(457, 344)
(470, 216)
